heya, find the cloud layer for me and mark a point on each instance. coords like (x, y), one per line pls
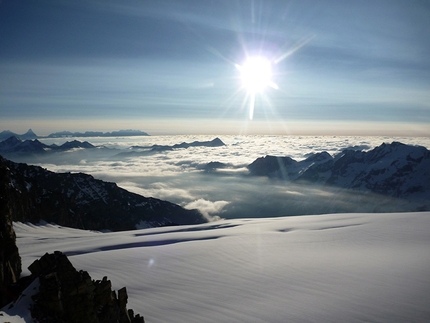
(179, 175)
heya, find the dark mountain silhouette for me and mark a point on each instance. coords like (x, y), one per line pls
(15, 146)
(142, 150)
(81, 201)
(5, 134)
(28, 135)
(120, 133)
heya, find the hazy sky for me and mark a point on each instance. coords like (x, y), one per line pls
(340, 67)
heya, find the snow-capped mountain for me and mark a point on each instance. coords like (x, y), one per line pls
(396, 170)
(81, 201)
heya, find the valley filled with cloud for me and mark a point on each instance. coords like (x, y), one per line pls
(215, 179)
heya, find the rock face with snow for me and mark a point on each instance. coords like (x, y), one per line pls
(81, 201)
(10, 261)
(396, 170)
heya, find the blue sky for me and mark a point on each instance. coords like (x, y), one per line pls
(341, 67)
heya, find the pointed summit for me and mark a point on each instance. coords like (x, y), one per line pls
(29, 135)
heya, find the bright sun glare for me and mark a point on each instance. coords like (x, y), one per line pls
(256, 72)
(256, 76)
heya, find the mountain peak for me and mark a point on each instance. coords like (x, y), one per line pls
(30, 131)
(9, 143)
(28, 135)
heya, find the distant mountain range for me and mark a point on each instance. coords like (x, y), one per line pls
(396, 170)
(120, 133)
(212, 143)
(13, 146)
(142, 150)
(26, 136)
(31, 135)
(79, 200)
(389, 178)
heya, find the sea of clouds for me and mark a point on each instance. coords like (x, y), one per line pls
(179, 175)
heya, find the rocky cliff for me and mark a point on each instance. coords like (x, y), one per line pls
(64, 294)
(10, 261)
(56, 292)
(81, 201)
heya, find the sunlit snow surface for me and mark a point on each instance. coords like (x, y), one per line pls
(326, 268)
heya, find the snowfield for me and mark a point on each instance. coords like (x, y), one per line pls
(320, 268)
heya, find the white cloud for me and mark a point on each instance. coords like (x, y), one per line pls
(208, 208)
(164, 191)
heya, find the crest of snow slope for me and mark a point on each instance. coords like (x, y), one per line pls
(327, 268)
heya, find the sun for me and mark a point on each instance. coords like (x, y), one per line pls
(256, 74)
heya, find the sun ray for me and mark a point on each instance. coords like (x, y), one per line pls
(251, 106)
(294, 49)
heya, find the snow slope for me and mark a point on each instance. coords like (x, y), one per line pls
(326, 268)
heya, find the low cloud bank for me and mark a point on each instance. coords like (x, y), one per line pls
(208, 208)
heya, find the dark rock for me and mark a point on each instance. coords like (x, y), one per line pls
(81, 201)
(10, 261)
(273, 166)
(71, 296)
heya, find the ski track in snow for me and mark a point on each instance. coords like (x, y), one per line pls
(322, 268)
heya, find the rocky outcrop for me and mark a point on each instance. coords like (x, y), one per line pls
(81, 201)
(10, 261)
(65, 294)
(71, 296)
